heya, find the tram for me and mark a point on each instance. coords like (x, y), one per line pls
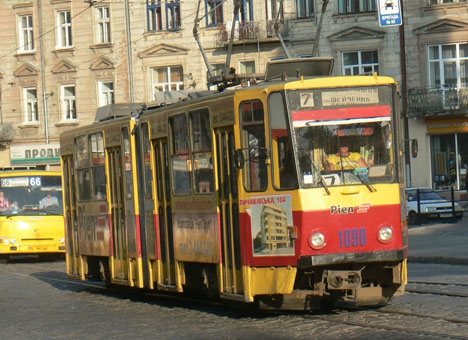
(31, 214)
(232, 195)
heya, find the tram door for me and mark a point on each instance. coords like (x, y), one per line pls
(167, 278)
(228, 206)
(73, 263)
(119, 232)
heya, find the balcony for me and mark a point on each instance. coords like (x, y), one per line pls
(431, 102)
(250, 32)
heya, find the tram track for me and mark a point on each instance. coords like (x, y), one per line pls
(399, 322)
(427, 287)
(389, 326)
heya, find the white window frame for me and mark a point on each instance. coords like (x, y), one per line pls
(26, 33)
(31, 105)
(169, 84)
(68, 103)
(103, 25)
(106, 93)
(64, 29)
(441, 62)
(360, 68)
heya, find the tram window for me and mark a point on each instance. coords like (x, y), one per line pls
(97, 165)
(253, 139)
(201, 150)
(99, 180)
(81, 152)
(181, 164)
(82, 168)
(284, 169)
(127, 163)
(148, 180)
(84, 184)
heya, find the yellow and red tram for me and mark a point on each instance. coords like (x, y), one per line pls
(230, 195)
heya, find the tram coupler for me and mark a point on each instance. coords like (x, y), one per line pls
(342, 279)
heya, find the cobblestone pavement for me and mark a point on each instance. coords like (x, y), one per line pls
(38, 301)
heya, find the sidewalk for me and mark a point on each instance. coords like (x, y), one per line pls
(438, 242)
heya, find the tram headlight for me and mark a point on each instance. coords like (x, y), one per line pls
(317, 240)
(62, 240)
(385, 234)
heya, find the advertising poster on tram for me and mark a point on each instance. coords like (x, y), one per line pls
(272, 225)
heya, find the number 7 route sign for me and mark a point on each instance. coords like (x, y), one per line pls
(389, 13)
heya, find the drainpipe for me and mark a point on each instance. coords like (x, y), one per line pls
(129, 50)
(404, 98)
(43, 79)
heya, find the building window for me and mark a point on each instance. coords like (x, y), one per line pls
(154, 15)
(443, 2)
(30, 96)
(103, 23)
(247, 67)
(448, 65)
(106, 93)
(64, 29)
(26, 33)
(272, 8)
(305, 8)
(357, 6)
(214, 12)
(361, 62)
(449, 159)
(68, 102)
(168, 78)
(173, 14)
(156, 21)
(247, 11)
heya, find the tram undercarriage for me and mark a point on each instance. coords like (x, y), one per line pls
(369, 285)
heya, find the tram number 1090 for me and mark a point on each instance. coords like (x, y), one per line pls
(352, 237)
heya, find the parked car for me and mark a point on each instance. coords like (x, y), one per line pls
(431, 206)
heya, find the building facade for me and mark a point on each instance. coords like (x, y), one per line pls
(61, 60)
(436, 42)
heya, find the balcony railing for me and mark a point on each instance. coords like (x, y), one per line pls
(250, 31)
(424, 102)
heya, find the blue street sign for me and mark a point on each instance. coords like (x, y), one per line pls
(389, 13)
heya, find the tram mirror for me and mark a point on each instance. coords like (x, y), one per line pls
(238, 159)
(414, 148)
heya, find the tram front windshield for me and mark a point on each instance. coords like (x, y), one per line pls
(343, 144)
(31, 195)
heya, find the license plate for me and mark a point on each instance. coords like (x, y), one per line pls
(446, 215)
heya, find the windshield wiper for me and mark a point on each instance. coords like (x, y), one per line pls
(363, 178)
(317, 171)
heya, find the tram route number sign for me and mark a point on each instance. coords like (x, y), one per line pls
(389, 13)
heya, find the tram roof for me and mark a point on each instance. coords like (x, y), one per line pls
(113, 111)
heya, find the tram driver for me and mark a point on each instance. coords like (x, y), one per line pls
(344, 159)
